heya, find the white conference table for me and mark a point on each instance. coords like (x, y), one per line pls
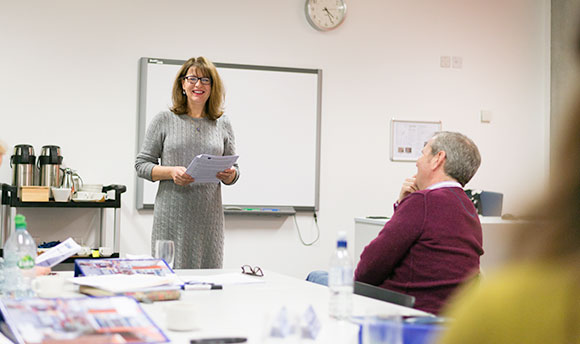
(245, 310)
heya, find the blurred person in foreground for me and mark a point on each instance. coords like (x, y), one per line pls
(433, 241)
(536, 298)
(2, 151)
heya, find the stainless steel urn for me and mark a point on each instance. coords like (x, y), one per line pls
(49, 162)
(22, 163)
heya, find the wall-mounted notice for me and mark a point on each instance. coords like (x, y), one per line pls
(409, 137)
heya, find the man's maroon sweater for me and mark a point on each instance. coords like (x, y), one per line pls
(431, 244)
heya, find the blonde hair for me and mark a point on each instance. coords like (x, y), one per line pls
(2, 148)
(214, 105)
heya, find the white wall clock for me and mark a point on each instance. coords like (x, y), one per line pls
(325, 15)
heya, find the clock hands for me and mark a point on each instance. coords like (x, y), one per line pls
(330, 16)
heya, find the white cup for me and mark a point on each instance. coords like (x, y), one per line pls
(48, 286)
(105, 251)
(180, 316)
(85, 251)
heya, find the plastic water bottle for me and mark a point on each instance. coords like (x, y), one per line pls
(19, 261)
(340, 280)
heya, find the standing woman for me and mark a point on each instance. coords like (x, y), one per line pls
(189, 214)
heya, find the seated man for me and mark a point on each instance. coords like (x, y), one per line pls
(433, 241)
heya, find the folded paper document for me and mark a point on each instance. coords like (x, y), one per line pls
(145, 288)
(204, 167)
(58, 253)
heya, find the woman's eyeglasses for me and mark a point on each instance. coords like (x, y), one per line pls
(254, 271)
(192, 79)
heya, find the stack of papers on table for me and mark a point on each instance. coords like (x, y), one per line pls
(123, 283)
(145, 288)
(144, 279)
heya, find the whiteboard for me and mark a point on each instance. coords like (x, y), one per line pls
(275, 115)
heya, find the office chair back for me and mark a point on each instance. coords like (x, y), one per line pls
(383, 294)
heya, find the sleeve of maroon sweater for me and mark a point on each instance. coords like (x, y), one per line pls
(382, 255)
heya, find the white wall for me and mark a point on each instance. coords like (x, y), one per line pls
(69, 72)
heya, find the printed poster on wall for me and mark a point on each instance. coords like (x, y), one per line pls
(409, 137)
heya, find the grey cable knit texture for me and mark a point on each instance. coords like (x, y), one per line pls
(192, 215)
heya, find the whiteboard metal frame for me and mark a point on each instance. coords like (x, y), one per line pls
(142, 113)
(433, 126)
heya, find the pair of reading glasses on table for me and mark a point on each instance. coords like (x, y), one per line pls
(252, 271)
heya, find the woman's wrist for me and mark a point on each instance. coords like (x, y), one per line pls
(162, 172)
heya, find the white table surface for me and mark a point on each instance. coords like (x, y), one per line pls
(245, 310)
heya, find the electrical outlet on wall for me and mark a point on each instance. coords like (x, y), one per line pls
(457, 62)
(445, 61)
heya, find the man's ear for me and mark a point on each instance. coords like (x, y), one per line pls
(438, 160)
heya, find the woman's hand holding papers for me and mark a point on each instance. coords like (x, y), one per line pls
(180, 177)
(175, 173)
(227, 176)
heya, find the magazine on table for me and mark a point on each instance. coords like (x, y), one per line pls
(146, 280)
(95, 267)
(116, 319)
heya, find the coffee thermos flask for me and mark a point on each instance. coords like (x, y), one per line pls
(22, 163)
(49, 162)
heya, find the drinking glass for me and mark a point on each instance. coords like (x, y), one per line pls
(165, 249)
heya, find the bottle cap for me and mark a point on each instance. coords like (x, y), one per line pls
(20, 221)
(341, 240)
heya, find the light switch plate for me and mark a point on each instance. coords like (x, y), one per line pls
(457, 62)
(485, 116)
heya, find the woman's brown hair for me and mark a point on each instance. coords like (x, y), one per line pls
(214, 105)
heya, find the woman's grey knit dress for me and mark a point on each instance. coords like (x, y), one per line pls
(191, 216)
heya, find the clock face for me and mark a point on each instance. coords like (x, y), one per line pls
(325, 14)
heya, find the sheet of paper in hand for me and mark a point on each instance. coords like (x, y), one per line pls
(204, 167)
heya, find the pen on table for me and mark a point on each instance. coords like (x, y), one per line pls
(270, 209)
(201, 286)
(219, 340)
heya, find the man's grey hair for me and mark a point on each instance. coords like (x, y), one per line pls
(462, 156)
